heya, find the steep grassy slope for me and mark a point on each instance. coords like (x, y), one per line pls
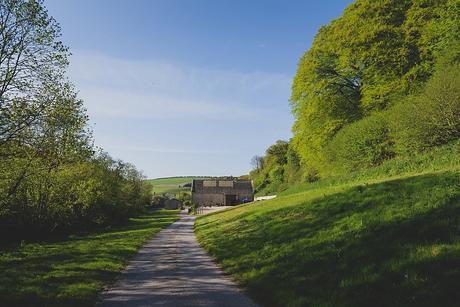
(368, 239)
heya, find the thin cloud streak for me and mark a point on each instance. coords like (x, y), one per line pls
(169, 118)
(120, 88)
(168, 150)
(119, 104)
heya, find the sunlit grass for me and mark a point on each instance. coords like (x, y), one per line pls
(73, 271)
(391, 241)
(439, 159)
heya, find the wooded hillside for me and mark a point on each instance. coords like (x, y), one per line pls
(381, 81)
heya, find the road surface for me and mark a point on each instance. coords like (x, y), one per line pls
(173, 270)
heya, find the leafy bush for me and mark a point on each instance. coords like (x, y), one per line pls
(431, 118)
(277, 169)
(361, 62)
(72, 196)
(185, 198)
(365, 143)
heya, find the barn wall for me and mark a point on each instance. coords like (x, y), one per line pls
(221, 192)
(208, 199)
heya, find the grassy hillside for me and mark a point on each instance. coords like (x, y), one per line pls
(71, 272)
(171, 180)
(169, 189)
(171, 185)
(388, 236)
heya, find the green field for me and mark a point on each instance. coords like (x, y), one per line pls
(73, 271)
(388, 236)
(171, 185)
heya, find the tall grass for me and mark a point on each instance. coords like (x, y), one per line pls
(440, 158)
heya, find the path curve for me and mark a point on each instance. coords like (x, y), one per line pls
(172, 269)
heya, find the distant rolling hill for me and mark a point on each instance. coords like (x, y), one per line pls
(171, 185)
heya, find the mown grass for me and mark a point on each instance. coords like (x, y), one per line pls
(392, 241)
(73, 271)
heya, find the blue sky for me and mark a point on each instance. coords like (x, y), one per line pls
(188, 87)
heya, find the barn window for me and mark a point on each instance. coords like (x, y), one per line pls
(209, 183)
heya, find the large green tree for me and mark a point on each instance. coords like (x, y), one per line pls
(51, 178)
(32, 59)
(364, 61)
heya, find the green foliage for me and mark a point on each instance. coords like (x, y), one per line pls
(376, 102)
(376, 53)
(278, 151)
(51, 179)
(355, 241)
(365, 143)
(185, 198)
(69, 197)
(277, 169)
(439, 159)
(32, 67)
(432, 117)
(74, 270)
(380, 81)
(418, 122)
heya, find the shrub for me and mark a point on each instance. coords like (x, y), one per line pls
(70, 197)
(431, 118)
(362, 144)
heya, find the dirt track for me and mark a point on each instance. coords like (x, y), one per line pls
(173, 270)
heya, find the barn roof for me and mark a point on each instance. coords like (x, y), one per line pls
(221, 185)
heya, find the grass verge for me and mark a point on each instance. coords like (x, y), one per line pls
(388, 242)
(72, 272)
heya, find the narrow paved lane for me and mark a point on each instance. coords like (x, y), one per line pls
(173, 270)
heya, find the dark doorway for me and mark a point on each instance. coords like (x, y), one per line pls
(230, 200)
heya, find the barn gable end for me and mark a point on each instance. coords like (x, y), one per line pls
(221, 192)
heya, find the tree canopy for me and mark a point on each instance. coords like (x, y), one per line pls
(52, 178)
(379, 81)
(363, 62)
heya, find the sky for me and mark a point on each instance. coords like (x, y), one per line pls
(188, 87)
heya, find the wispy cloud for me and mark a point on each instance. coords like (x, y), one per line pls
(118, 88)
(170, 118)
(168, 150)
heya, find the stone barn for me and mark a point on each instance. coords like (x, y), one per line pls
(221, 192)
(172, 204)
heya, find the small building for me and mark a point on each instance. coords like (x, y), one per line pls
(172, 204)
(221, 192)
